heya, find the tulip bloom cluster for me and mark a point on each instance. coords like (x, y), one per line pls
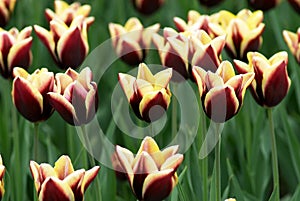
(6, 9)
(2, 172)
(146, 92)
(222, 93)
(132, 41)
(61, 182)
(151, 173)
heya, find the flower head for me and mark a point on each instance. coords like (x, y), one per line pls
(132, 41)
(6, 9)
(68, 45)
(149, 95)
(243, 31)
(222, 93)
(61, 182)
(29, 93)
(76, 98)
(152, 172)
(293, 42)
(2, 172)
(271, 82)
(15, 50)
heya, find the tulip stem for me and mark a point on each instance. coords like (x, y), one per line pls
(36, 140)
(204, 161)
(274, 156)
(174, 112)
(92, 161)
(218, 164)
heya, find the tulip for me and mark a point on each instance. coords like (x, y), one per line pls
(271, 82)
(67, 13)
(147, 91)
(222, 92)
(295, 4)
(61, 182)
(119, 170)
(196, 21)
(76, 98)
(243, 31)
(132, 41)
(29, 93)
(68, 45)
(147, 7)
(2, 172)
(263, 4)
(6, 9)
(151, 173)
(210, 3)
(180, 51)
(14, 50)
(293, 42)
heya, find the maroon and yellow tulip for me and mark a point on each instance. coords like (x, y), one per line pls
(61, 182)
(263, 4)
(147, 91)
(2, 172)
(293, 42)
(67, 13)
(15, 50)
(29, 93)
(147, 7)
(195, 21)
(76, 98)
(243, 31)
(152, 172)
(210, 3)
(271, 82)
(132, 41)
(222, 93)
(68, 45)
(181, 51)
(295, 4)
(6, 9)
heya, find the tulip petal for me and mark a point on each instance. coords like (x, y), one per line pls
(35, 172)
(54, 189)
(199, 75)
(226, 71)
(172, 162)
(63, 167)
(162, 78)
(89, 176)
(126, 82)
(144, 73)
(148, 145)
(47, 39)
(126, 159)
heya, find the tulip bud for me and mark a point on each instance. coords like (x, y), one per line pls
(132, 41)
(29, 93)
(293, 42)
(243, 31)
(68, 45)
(263, 5)
(67, 13)
(149, 95)
(61, 182)
(6, 9)
(271, 82)
(76, 99)
(222, 93)
(295, 4)
(147, 7)
(180, 51)
(15, 50)
(210, 3)
(151, 173)
(2, 172)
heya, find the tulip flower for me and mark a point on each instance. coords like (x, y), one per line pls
(67, 13)
(243, 31)
(263, 4)
(132, 41)
(180, 51)
(196, 21)
(6, 9)
(293, 42)
(151, 173)
(147, 91)
(222, 93)
(68, 45)
(210, 3)
(2, 172)
(15, 50)
(61, 182)
(76, 98)
(29, 93)
(119, 170)
(295, 4)
(271, 82)
(147, 7)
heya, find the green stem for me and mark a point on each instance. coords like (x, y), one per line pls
(218, 164)
(36, 141)
(274, 156)
(92, 161)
